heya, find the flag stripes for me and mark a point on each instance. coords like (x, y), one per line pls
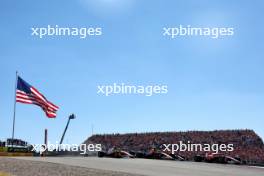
(29, 95)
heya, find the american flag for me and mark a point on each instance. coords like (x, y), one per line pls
(25, 93)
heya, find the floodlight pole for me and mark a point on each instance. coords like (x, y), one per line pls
(72, 116)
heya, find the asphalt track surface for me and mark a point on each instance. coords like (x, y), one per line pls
(154, 167)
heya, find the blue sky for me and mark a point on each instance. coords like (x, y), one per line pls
(212, 83)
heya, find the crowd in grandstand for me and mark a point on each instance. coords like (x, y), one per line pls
(247, 144)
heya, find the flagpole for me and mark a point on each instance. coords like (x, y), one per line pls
(14, 115)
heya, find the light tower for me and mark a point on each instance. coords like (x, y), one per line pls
(72, 116)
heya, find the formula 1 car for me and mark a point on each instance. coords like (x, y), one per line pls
(218, 158)
(115, 153)
(153, 154)
(178, 157)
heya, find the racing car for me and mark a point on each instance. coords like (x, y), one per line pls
(218, 158)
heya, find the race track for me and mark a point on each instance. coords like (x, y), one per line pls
(153, 167)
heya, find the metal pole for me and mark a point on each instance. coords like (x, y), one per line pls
(65, 130)
(45, 142)
(14, 115)
(72, 116)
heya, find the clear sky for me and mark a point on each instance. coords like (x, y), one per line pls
(212, 83)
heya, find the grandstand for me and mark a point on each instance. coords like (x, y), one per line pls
(15, 147)
(248, 146)
(16, 143)
(2, 144)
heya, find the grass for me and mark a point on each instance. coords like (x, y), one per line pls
(4, 174)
